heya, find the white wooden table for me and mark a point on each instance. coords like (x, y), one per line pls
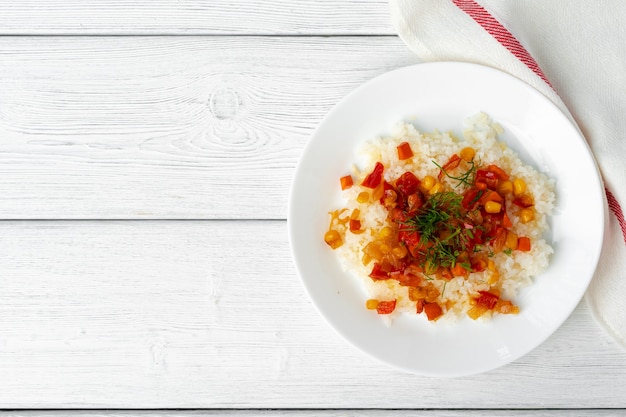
(146, 151)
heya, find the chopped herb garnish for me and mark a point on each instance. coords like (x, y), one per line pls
(466, 177)
(440, 224)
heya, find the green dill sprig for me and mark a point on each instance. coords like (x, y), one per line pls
(440, 225)
(466, 177)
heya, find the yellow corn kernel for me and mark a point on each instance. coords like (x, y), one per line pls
(384, 248)
(467, 154)
(355, 214)
(491, 265)
(385, 232)
(493, 207)
(333, 239)
(371, 304)
(400, 252)
(505, 187)
(526, 215)
(437, 188)
(363, 197)
(519, 187)
(511, 241)
(428, 182)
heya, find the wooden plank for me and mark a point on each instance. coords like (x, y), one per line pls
(210, 314)
(168, 127)
(189, 17)
(320, 412)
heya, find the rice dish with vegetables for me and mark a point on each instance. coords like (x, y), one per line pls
(442, 227)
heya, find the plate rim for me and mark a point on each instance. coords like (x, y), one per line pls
(380, 78)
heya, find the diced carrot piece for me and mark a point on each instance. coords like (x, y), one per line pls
(524, 201)
(506, 221)
(433, 311)
(523, 243)
(346, 182)
(458, 270)
(480, 185)
(419, 306)
(386, 307)
(490, 195)
(487, 300)
(498, 171)
(453, 162)
(404, 151)
(408, 280)
(355, 225)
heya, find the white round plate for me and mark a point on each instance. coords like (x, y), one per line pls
(440, 96)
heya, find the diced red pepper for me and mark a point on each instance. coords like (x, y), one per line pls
(407, 184)
(475, 239)
(386, 307)
(498, 171)
(506, 221)
(433, 311)
(523, 243)
(378, 273)
(487, 300)
(491, 220)
(524, 201)
(404, 151)
(408, 280)
(488, 177)
(490, 195)
(480, 185)
(470, 198)
(346, 182)
(398, 216)
(373, 179)
(355, 225)
(411, 238)
(453, 162)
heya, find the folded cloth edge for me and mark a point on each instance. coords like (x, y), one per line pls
(485, 30)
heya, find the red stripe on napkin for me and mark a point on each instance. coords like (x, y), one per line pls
(501, 34)
(617, 210)
(510, 42)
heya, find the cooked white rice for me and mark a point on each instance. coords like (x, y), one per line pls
(516, 269)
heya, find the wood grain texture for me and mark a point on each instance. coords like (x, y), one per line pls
(320, 412)
(271, 17)
(170, 314)
(168, 127)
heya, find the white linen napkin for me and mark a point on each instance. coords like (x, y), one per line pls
(573, 52)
